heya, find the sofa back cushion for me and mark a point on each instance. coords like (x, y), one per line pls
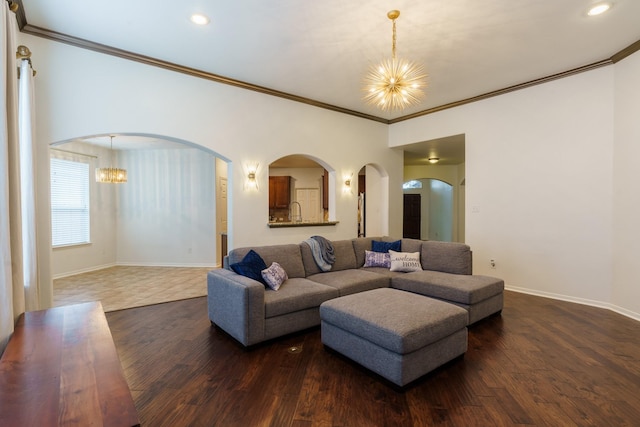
(360, 245)
(342, 249)
(447, 257)
(411, 245)
(288, 256)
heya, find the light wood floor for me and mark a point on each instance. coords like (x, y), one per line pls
(123, 287)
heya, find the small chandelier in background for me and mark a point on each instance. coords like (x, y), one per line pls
(396, 83)
(111, 175)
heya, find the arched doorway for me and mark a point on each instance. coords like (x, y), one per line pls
(166, 219)
(172, 195)
(373, 186)
(428, 210)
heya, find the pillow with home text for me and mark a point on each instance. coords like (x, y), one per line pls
(405, 261)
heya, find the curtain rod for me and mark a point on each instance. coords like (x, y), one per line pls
(73, 152)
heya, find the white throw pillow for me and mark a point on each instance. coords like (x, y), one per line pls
(405, 261)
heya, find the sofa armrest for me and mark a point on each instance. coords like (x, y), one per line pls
(236, 304)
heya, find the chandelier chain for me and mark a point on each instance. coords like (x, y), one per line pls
(393, 41)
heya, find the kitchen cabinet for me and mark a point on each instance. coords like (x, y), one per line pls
(279, 192)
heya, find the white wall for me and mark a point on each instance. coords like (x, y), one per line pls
(166, 211)
(539, 168)
(241, 126)
(302, 177)
(626, 179)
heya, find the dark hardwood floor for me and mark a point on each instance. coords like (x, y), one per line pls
(542, 362)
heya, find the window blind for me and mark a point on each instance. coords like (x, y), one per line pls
(69, 202)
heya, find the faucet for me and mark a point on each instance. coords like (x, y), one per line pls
(295, 218)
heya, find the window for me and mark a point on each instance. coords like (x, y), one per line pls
(411, 185)
(69, 202)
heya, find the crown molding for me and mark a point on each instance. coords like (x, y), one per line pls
(505, 90)
(627, 51)
(108, 50)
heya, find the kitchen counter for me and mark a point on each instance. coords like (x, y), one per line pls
(300, 224)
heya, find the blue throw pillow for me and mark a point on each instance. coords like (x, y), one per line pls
(377, 246)
(251, 266)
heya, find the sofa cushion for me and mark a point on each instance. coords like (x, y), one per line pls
(447, 257)
(288, 256)
(295, 295)
(343, 250)
(384, 271)
(352, 281)
(250, 266)
(458, 288)
(360, 245)
(411, 245)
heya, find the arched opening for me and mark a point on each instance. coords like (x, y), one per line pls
(440, 159)
(372, 212)
(171, 212)
(428, 210)
(300, 190)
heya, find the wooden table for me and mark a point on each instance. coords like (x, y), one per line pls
(61, 367)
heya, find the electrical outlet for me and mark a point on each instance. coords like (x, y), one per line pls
(492, 263)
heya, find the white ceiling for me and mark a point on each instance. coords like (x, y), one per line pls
(320, 50)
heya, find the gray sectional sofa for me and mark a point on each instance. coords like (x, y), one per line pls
(250, 313)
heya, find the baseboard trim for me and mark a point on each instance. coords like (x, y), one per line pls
(83, 270)
(131, 264)
(584, 301)
(163, 264)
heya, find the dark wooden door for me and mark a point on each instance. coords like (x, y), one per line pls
(411, 217)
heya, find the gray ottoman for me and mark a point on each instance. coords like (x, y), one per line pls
(396, 334)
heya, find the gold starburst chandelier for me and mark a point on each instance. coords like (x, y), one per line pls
(396, 83)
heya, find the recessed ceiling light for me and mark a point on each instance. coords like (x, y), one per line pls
(599, 8)
(199, 19)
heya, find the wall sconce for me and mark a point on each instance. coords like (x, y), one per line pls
(433, 160)
(347, 184)
(251, 183)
